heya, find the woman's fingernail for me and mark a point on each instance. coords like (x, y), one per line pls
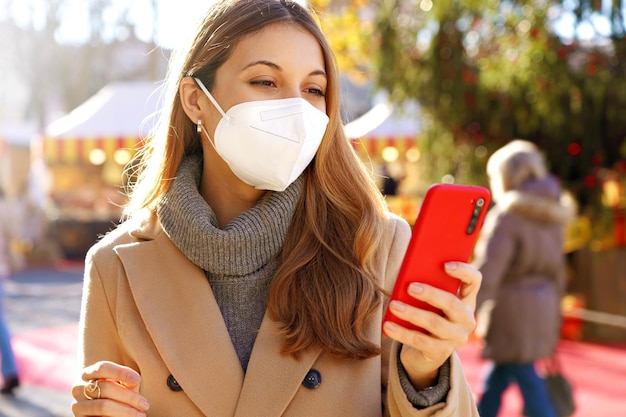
(144, 404)
(133, 378)
(416, 288)
(451, 266)
(390, 327)
(398, 305)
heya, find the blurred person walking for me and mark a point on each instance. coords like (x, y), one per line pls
(520, 254)
(7, 358)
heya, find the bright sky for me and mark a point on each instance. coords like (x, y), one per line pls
(176, 18)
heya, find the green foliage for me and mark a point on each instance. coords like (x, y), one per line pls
(349, 35)
(491, 71)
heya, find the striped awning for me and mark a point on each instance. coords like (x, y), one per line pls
(78, 150)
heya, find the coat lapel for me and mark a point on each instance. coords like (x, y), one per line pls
(272, 378)
(180, 313)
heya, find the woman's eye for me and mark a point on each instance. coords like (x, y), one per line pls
(264, 83)
(316, 91)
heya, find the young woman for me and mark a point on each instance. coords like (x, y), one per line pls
(249, 278)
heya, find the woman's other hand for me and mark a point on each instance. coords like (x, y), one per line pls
(109, 390)
(423, 354)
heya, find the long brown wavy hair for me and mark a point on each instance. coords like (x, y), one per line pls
(325, 290)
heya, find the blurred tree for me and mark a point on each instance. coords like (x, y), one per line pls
(488, 71)
(348, 25)
(61, 73)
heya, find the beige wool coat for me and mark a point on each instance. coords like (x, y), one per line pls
(146, 306)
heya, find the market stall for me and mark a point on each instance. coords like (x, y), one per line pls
(15, 157)
(85, 153)
(387, 138)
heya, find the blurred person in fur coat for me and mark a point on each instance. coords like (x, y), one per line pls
(520, 254)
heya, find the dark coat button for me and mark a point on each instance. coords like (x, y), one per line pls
(313, 379)
(173, 384)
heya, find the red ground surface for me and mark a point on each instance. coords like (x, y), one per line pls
(47, 357)
(596, 372)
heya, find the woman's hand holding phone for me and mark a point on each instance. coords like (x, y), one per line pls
(431, 308)
(423, 353)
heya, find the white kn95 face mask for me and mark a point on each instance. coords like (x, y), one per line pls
(268, 143)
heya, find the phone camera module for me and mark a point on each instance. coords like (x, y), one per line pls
(478, 207)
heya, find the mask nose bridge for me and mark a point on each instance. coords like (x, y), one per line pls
(280, 113)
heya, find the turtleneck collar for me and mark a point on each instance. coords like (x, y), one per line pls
(245, 245)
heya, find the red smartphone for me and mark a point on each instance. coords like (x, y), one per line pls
(445, 230)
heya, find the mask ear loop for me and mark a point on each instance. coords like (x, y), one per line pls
(201, 127)
(210, 96)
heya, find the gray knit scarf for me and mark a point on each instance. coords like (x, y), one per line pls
(239, 260)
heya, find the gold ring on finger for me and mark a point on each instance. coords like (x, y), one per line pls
(92, 390)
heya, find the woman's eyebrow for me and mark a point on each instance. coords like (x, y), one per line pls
(263, 62)
(279, 68)
(318, 72)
